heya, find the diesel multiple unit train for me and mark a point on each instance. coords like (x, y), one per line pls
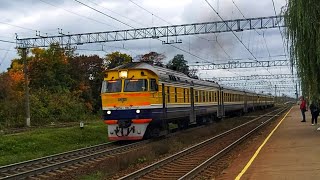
(140, 100)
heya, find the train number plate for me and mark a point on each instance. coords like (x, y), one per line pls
(122, 99)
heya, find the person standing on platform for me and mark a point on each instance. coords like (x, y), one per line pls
(314, 109)
(303, 108)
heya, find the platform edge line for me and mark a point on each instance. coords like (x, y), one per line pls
(259, 149)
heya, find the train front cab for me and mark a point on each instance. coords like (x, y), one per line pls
(126, 99)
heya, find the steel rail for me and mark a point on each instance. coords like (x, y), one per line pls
(80, 156)
(139, 173)
(197, 170)
(64, 159)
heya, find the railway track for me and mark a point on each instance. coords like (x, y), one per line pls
(49, 165)
(189, 163)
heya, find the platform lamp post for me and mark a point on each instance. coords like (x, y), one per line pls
(26, 85)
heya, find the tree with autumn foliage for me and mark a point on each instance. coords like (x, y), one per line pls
(49, 69)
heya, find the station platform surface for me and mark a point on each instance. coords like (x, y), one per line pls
(291, 152)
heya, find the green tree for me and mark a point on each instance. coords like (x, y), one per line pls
(178, 63)
(116, 59)
(153, 58)
(302, 21)
(87, 75)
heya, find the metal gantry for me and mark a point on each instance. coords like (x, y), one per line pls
(253, 77)
(271, 89)
(238, 64)
(260, 83)
(153, 32)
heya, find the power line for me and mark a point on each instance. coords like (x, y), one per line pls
(103, 13)
(7, 41)
(116, 13)
(133, 27)
(78, 14)
(275, 12)
(150, 12)
(5, 55)
(17, 26)
(254, 29)
(232, 31)
(234, 34)
(171, 24)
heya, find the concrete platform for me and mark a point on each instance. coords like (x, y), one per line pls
(292, 152)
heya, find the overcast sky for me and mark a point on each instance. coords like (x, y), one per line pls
(27, 16)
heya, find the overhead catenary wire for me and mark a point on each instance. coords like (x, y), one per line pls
(7, 41)
(104, 13)
(231, 30)
(17, 26)
(254, 29)
(77, 14)
(234, 33)
(275, 12)
(134, 27)
(116, 13)
(149, 12)
(166, 22)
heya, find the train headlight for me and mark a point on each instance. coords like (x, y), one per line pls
(138, 111)
(108, 112)
(123, 74)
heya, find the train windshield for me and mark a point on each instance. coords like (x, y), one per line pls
(111, 86)
(135, 85)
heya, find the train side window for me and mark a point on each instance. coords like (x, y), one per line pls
(153, 85)
(168, 93)
(196, 96)
(203, 96)
(215, 96)
(175, 95)
(187, 95)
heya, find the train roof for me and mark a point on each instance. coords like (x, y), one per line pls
(169, 75)
(166, 74)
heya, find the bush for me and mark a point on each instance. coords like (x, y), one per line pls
(49, 107)
(12, 113)
(45, 107)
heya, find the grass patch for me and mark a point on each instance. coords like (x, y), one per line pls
(93, 176)
(46, 141)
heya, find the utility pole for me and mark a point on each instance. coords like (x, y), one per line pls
(275, 93)
(26, 86)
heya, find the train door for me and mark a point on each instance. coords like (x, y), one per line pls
(164, 104)
(220, 109)
(245, 108)
(192, 109)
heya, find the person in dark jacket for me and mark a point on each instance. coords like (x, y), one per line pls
(314, 109)
(303, 108)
